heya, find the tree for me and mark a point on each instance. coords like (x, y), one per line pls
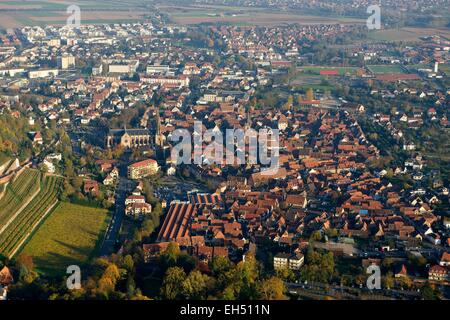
(43, 168)
(319, 267)
(170, 255)
(219, 265)
(77, 182)
(117, 152)
(331, 233)
(148, 227)
(373, 136)
(128, 262)
(272, 289)
(82, 162)
(131, 286)
(195, 285)
(229, 293)
(286, 274)
(309, 94)
(68, 168)
(316, 236)
(108, 280)
(112, 272)
(289, 103)
(25, 265)
(245, 275)
(405, 282)
(388, 281)
(172, 286)
(139, 296)
(429, 292)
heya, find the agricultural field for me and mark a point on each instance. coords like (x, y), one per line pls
(192, 14)
(72, 234)
(386, 69)
(17, 193)
(407, 34)
(21, 13)
(15, 14)
(23, 224)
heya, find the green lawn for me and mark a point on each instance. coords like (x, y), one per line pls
(316, 69)
(386, 69)
(72, 234)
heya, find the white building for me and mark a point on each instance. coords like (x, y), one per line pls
(288, 261)
(43, 73)
(135, 199)
(66, 62)
(3, 293)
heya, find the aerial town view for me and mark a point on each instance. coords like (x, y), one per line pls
(198, 150)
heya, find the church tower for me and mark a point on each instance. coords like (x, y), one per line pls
(159, 139)
(248, 123)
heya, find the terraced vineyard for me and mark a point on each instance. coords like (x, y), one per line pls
(16, 234)
(17, 192)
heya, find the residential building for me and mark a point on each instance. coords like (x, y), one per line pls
(142, 169)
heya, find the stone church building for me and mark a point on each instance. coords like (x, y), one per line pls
(128, 138)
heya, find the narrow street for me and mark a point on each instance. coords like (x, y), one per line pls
(124, 186)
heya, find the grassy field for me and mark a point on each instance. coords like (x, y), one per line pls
(19, 13)
(72, 234)
(40, 12)
(407, 34)
(193, 14)
(317, 69)
(17, 232)
(386, 69)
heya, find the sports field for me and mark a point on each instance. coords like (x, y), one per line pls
(72, 234)
(316, 69)
(386, 69)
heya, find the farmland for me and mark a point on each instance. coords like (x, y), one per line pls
(17, 193)
(20, 13)
(191, 15)
(72, 234)
(17, 232)
(15, 14)
(406, 34)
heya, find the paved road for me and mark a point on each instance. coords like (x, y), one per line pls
(124, 186)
